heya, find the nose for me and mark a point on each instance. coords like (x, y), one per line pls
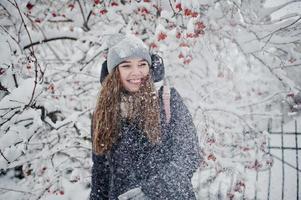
(136, 70)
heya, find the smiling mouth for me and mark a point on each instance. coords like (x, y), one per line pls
(135, 81)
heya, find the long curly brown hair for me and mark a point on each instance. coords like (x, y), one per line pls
(107, 113)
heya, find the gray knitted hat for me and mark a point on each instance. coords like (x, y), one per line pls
(123, 47)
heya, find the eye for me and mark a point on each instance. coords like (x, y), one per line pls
(143, 64)
(125, 66)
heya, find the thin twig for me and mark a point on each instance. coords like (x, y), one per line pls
(270, 69)
(4, 157)
(48, 40)
(173, 10)
(85, 24)
(32, 54)
(287, 66)
(270, 35)
(60, 21)
(233, 113)
(89, 61)
(14, 190)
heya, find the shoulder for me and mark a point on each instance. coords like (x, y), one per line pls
(176, 103)
(172, 92)
(176, 99)
(175, 94)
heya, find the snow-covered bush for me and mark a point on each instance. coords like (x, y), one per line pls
(230, 60)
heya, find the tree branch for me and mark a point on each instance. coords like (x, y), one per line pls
(48, 40)
(270, 35)
(14, 190)
(4, 157)
(287, 66)
(269, 68)
(2, 88)
(85, 24)
(232, 113)
(276, 8)
(32, 53)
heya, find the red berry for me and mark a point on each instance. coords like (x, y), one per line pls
(181, 55)
(199, 25)
(153, 45)
(114, 4)
(211, 141)
(187, 61)
(102, 12)
(162, 36)
(190, 35)
(179, 7)
(51, 88)
(144, 11)
(29, 6)
(211, 157)
(187, 12)
(292, 60)
(183, 44)
(71, 6)
(194, 14)
(2, 71)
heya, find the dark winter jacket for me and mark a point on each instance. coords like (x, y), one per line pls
(162, 170)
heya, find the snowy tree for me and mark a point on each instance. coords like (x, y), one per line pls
(231, 60)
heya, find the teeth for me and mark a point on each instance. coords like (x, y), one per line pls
(135, 81)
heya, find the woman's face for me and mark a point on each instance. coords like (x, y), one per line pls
(132, 72)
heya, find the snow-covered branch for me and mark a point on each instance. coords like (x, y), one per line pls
(48, 40)
(232, 62)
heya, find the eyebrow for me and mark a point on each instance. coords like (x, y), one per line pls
(125, 62)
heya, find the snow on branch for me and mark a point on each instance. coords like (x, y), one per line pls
(232, 62)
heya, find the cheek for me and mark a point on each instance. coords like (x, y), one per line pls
(146, 71)
(123, 76)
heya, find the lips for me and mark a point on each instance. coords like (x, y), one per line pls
(135, 81)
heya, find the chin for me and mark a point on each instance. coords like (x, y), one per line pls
(132, 89)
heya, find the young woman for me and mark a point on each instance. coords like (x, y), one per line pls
(138, 152)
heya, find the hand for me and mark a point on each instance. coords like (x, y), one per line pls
(133, 194)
